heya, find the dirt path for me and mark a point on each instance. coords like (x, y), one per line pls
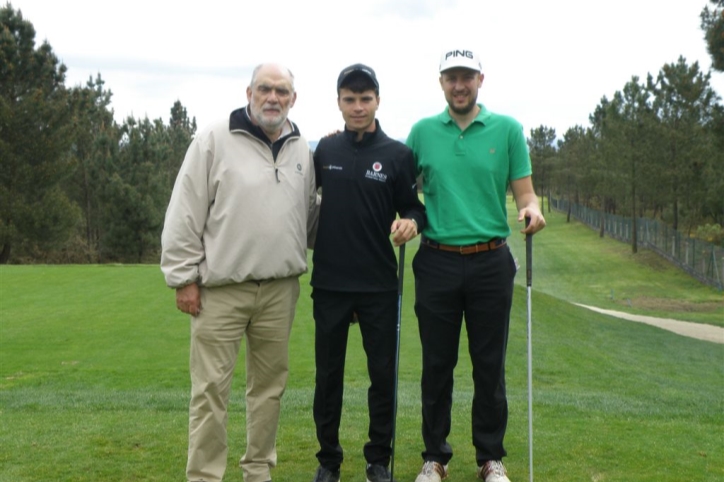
(700, 331)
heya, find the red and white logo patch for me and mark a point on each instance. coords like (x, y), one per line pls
(377, 167)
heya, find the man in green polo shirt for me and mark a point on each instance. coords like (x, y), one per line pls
(468, 157)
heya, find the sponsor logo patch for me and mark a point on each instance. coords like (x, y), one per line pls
(376, 176)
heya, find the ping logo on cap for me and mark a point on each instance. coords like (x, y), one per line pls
(459, 53)
(465, 59)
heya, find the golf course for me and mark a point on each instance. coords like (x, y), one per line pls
(94, 381)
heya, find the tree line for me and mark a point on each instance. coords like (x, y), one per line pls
(655, 149)
(78, 187)
(75, 185)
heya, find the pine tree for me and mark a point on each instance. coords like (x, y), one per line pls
(35, 133)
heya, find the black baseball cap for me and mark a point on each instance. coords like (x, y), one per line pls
(361, 68)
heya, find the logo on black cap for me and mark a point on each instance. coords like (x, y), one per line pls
(357, 68)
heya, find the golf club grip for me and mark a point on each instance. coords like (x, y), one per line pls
(528, 255)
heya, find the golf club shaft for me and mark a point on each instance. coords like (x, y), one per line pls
(400, 278)
(529, 284)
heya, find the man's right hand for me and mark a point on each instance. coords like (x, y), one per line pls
(188, 299)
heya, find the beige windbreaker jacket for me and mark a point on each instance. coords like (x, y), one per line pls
(235, 214)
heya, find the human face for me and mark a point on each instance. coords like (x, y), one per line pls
(461, 89)
(270, 97)
(358, 110)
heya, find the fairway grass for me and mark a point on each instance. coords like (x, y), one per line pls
(573, 263)
(94, 378)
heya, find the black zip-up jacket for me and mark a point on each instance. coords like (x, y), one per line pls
(364, 185)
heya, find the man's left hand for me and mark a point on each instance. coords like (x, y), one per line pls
(403, 230)
(537, 221)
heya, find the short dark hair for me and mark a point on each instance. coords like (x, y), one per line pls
(359, 82)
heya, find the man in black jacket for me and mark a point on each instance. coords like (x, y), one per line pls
(367, 179)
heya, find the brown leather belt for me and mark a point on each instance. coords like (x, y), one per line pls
(469, 249)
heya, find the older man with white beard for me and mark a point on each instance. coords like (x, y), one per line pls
(240, 218)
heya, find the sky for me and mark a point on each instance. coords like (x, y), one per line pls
(546, 62)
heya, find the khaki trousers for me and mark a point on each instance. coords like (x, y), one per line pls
(262, 313)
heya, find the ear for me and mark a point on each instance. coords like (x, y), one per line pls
(294, 99)
(440, 79)
(248, 94)
(480, 82)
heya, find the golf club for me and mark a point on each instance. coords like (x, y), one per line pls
(529, 283)
(400, 276)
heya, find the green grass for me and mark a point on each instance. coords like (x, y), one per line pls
(94, 377)
(573, 263)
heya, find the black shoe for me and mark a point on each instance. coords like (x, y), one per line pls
(377, 473)
(325, 475)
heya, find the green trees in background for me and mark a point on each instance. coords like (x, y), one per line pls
(35, 136)
(684, 104)
(542, 153)
(96, 145)
(75, 186)
(712, 23)
(571, 175)
(655, 149)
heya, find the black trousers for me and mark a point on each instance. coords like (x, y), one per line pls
(479, 288)
(377, 315)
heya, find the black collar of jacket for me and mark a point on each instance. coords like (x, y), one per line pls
(239, 120)
(367, 137)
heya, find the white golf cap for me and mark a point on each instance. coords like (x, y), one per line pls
(466, 59)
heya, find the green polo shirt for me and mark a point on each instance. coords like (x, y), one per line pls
(466, 174)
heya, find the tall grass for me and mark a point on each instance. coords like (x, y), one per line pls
(94, 379)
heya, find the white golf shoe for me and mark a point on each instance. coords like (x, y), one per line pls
(432, 472)
(493, 471)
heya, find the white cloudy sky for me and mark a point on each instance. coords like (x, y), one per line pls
(546, 62)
